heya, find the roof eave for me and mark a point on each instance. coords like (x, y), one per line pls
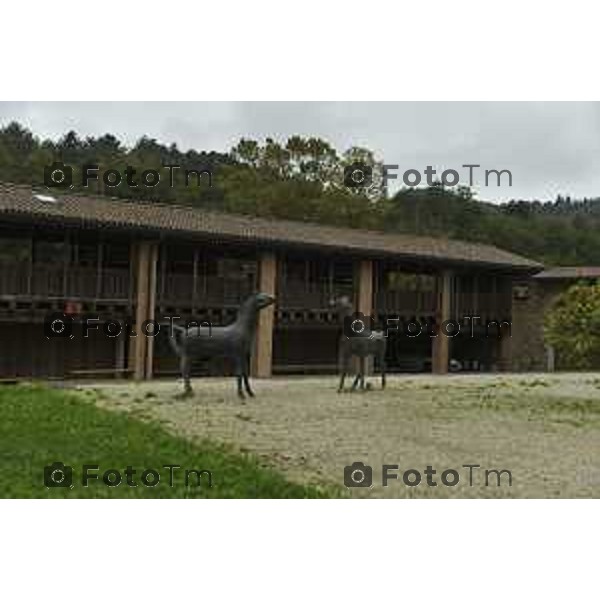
(155, 231)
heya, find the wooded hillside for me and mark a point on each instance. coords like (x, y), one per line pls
(303, 179)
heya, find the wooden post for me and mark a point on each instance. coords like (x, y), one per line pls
(441, 343)
(163, 271)
(263, 353)
(30, 267)
(505, 348)
(152, 267)
(142, 346)
(364, 302)
(195, 279)
(141, 310)
(99, 269)
(364, 297)
(66, 260)
(120, 352)
(133, 274)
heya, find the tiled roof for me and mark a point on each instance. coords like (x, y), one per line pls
(22, 202)
(570, 273)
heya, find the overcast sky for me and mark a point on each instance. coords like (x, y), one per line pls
(550, 148)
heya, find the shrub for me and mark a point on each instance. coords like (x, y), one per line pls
(572, 326)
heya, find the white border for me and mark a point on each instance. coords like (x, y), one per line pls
(299, 549)
(277, 51)
(268, 50)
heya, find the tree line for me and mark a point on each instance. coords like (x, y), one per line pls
(303, 179)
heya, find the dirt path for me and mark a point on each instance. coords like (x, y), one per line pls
(545, 429)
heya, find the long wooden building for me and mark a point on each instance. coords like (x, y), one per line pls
(120, 259)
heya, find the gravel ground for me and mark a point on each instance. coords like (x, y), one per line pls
(545, 429)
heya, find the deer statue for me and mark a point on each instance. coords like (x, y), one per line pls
(234, 341)
(358, 340)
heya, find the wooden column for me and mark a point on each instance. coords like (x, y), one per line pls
(364, 297)
(133, 275)
(120, 352)
(145, 294)
(141, 310)
(441, 343)
(550, 359)
(152, 267)
(364, 301)
(263, 352)
(505, 349)
(503, 302)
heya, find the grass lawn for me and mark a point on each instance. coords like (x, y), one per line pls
(543, 428)
(296, 438)
(40, 426)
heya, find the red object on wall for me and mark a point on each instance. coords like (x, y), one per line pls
(72, 308)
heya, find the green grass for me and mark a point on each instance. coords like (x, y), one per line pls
(40, 426)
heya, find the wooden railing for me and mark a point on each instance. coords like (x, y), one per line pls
(54, 281)
(294, 295)
(180, 289)
(486, 306)
(403, 301)
(183, 290)
(297, 296)
(14, 279)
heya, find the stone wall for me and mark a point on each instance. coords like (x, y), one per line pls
(527, 348)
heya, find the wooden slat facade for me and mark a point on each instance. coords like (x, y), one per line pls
(121, 275)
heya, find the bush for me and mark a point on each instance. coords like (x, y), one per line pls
(572, 326)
